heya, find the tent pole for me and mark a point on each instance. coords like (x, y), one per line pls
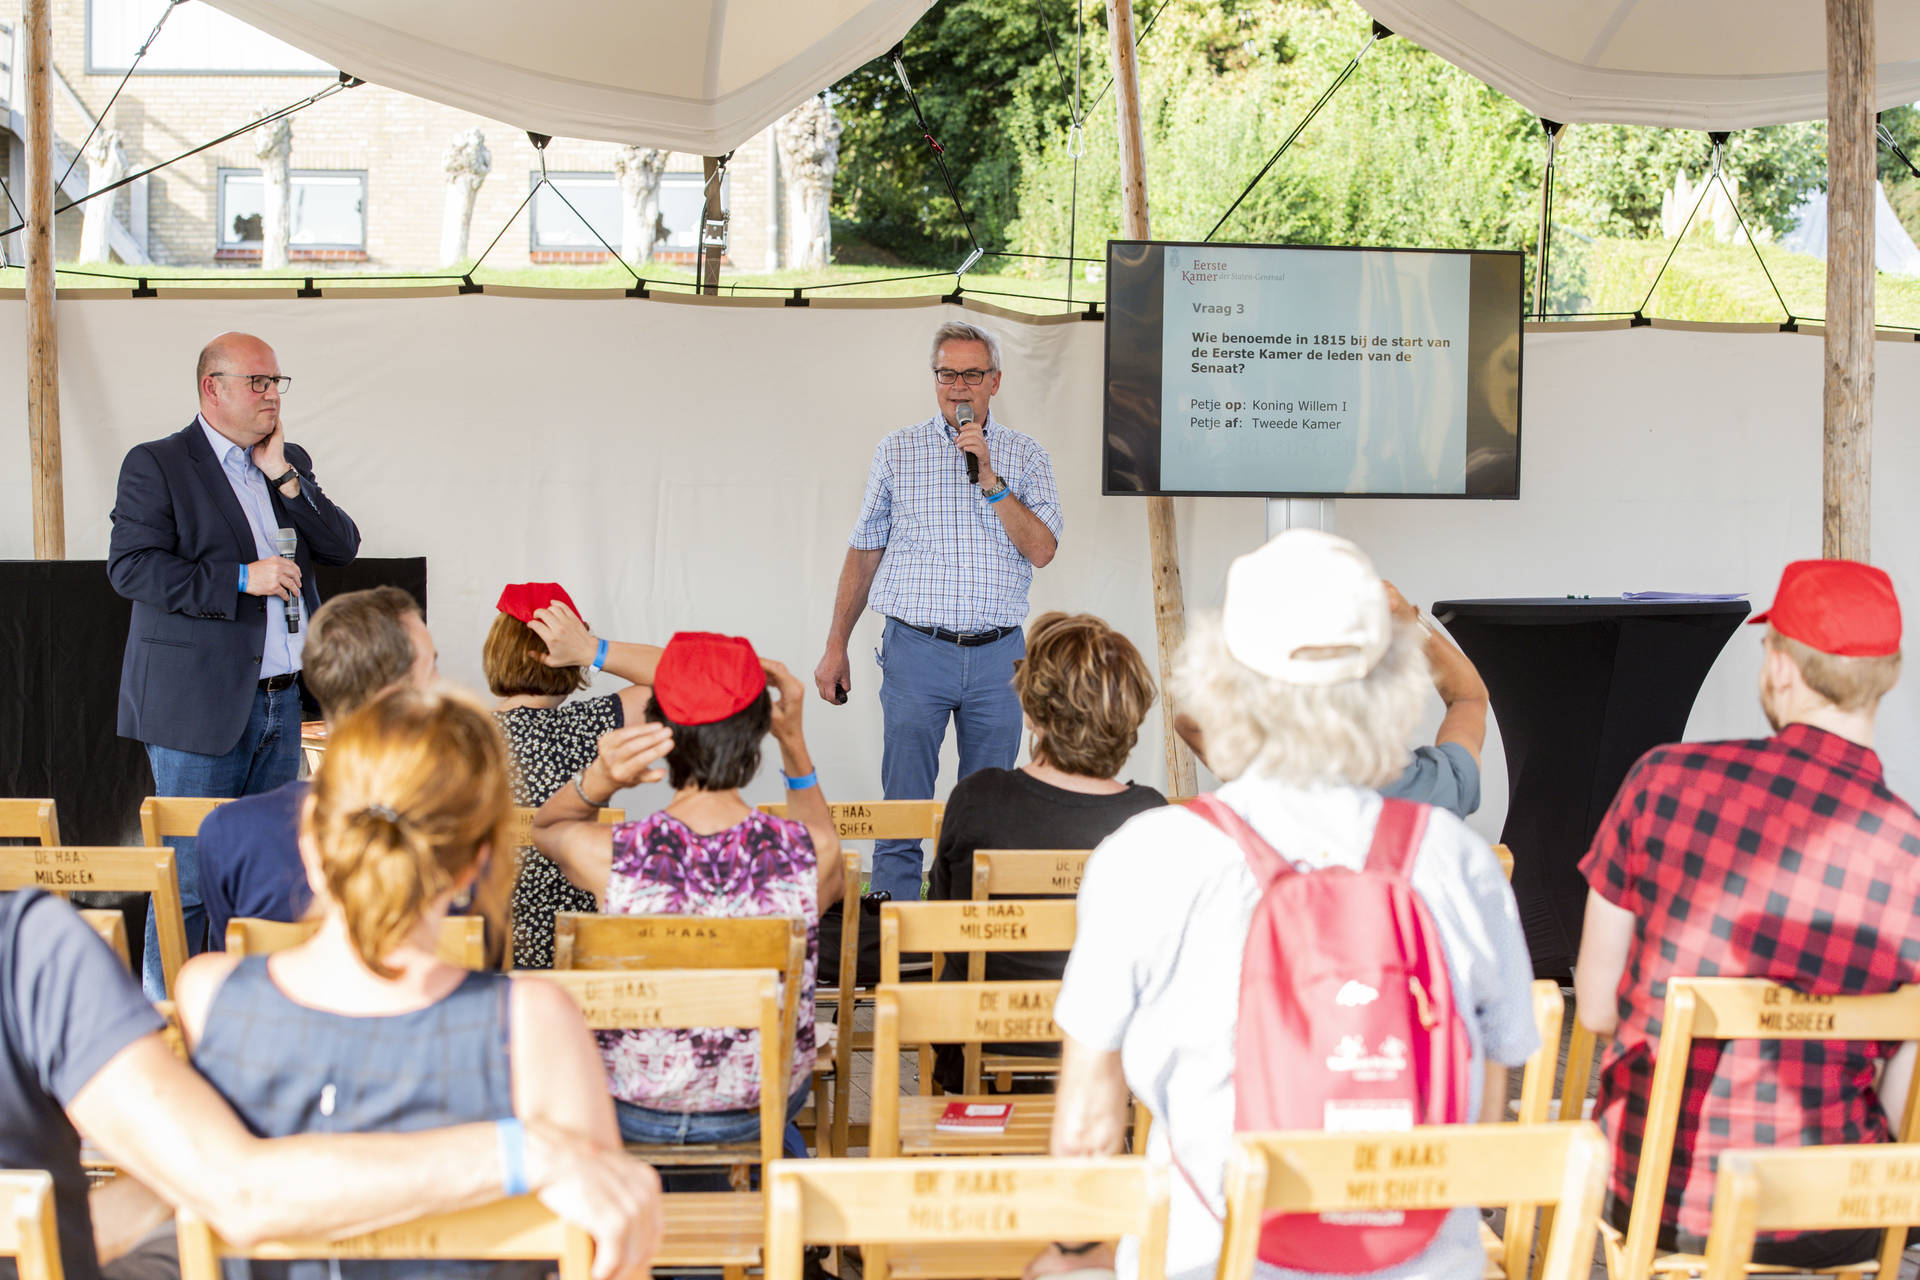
(715, 213)
(1169, 604)
(43, 364)
(1544, 258)
(1847, 453)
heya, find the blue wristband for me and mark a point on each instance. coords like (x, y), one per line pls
(996, 497)
(513, 1156)
(805, 780)
(600, 658)
(243, 577)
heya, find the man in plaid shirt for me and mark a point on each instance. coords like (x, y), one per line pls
(1784, 858)
(946, 559)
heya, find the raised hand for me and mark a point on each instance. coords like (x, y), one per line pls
(569, 643)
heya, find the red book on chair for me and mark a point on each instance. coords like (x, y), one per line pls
(975, 1117)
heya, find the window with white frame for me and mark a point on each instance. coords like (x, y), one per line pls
(596, 200)
(327, 208)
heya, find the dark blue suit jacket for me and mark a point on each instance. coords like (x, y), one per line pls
(250, 861)
(179, 538)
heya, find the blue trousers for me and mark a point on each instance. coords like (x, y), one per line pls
(923, 682)
(686, 1129)
(267, 756)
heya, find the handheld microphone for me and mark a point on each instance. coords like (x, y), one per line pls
(285, 540)
(963, 413)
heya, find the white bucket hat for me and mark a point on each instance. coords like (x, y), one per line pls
(1307, 608)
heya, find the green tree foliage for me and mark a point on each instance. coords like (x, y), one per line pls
(1411, 151)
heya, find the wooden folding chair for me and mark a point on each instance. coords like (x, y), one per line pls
(164, 818)
(956, 1013)
(635, 943)
(716, 1228)
(1509, 1257)
(1813, 1189)
(462, 941)
(964, 1217)
(65, 869)
(860, 820)
(523, 822)
(1019, 873)
(1008, 925)
(29, 820)
(112, 928)
(1431, 1167)
(521, 1229)
(28, 1230)
(1736, 1009)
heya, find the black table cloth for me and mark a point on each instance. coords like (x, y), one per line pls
(1582, 689)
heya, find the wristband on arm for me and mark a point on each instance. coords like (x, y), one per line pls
(999, 494)
(243, 577)
(811, 778)
(513, 1156)
(600, 657)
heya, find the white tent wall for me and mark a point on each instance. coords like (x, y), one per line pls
(683, 465)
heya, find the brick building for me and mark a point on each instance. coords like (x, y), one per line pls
(368, 183)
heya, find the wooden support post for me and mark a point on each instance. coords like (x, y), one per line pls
(1163, 535)
(43, 363)
(714, 210)
(1846, 524)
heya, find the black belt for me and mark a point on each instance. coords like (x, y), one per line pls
(274, 684)
(966, 641)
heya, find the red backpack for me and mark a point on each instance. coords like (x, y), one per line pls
(1347, 1022)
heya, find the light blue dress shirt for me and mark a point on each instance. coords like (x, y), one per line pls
(283, 649)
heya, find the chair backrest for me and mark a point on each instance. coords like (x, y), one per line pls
(1535, 1107)
(1505, 855)
(1027, 873)
(64, 869)
(880, 819)
(1743, 1009)
(877, 1203)
(463, 939)
(1432, 1167)
(686, 998)
(523, 822)
(164, 818)
(29, 820)
(1812, 1189)
(521, 1229)
(587, 941)
(1033, 924)
(28, 1231)
(112, 928)
(947, 1013)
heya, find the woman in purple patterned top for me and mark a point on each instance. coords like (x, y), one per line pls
(708, 853)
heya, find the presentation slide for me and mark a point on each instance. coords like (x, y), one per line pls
(1312, 372)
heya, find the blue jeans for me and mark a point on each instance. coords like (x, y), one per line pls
(693, 1128)
(923, 681)
(267, 756)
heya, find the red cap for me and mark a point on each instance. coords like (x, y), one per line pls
(703, 678)
(1840, 607)
(521, 599)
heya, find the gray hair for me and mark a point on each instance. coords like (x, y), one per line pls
(961, 331)
(1353, 733)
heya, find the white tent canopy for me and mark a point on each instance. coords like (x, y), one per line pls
(1894, 251)
(1697, 64)
(698, 76)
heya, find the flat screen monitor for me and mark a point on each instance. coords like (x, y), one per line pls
(1287, 371)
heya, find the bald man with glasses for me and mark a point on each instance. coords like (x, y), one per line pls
(210, 680)
(946, 558)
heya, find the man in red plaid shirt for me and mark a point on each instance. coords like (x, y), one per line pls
(1783, 858)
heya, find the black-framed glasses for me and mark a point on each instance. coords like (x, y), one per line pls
(259, 382)
(972, 377)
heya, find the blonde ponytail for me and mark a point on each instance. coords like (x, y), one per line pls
(413, 787)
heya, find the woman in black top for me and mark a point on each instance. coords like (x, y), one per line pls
(1084, 690)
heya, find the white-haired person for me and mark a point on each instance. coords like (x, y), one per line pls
(1307, 690)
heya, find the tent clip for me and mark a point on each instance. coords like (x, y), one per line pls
(309, 291)
(799, 299)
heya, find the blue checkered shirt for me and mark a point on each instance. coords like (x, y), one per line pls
(949, 563)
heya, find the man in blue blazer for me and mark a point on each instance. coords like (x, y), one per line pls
(209, 680)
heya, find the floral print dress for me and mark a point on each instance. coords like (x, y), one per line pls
(765, 866)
